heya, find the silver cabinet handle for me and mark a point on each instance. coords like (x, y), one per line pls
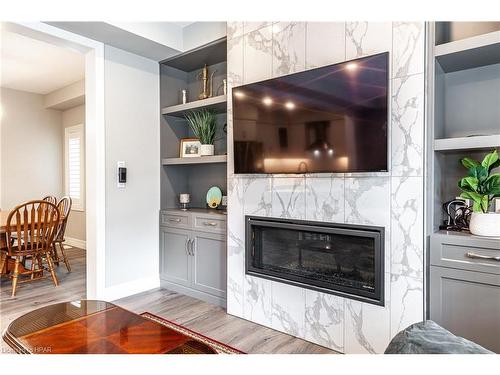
(174, 220)
(192, 246)
(210, 223)
(186, 245)
(478, 256)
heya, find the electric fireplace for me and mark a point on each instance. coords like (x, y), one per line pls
(341, 259)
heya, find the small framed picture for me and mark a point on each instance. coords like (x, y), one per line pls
(190, 148)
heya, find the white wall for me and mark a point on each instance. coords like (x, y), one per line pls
(132, 135)
(76, 226)
(31, 149)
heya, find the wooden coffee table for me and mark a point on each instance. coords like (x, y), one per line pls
(95, 327)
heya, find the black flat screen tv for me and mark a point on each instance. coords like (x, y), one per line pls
(331, 119)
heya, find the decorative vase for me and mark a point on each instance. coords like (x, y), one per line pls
(487, 225)
(207, 150)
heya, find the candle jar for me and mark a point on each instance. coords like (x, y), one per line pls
(184, 200)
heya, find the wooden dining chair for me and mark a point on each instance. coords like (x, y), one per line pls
(35, 225)
(64, 207)
(50, 198)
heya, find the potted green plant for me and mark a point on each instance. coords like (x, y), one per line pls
(204, 125)
(481, 187)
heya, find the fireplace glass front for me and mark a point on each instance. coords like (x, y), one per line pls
(338, 259)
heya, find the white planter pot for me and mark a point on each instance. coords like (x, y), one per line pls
(207, 150)
(485, 224)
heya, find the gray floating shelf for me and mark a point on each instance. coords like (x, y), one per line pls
(467, 143)
(469, 53)
(210, 54)
(217, 103)
(197, 160)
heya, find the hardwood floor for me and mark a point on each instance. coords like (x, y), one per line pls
(202, 317)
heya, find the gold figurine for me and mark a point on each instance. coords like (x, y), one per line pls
(207, 83)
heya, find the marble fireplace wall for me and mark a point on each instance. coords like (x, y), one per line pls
(262, 50)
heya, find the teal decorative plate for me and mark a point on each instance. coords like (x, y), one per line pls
(214, 197)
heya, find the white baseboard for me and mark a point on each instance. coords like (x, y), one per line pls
(129, 288)
(75, 242)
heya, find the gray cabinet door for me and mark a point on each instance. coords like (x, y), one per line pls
(175, 262)
(467, 304)
(209, 263)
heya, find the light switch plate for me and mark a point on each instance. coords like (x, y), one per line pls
(119, 185)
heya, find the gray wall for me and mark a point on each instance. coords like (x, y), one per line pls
(76, 227)
(132, 116)
(31, 149)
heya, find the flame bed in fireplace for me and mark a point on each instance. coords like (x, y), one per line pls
(340, 259)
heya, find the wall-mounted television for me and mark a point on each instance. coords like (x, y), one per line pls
(324, 120)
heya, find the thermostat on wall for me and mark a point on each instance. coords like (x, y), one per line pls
(121, 175)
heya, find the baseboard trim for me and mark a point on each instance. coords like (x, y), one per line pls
(130, 288)
(75, 242)
(220, 301)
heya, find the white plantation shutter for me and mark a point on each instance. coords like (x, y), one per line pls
(74, 165)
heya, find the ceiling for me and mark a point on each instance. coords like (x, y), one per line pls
(38, 67)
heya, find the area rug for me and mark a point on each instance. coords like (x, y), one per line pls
(197, 343)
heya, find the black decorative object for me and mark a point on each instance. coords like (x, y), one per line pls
(458, 215)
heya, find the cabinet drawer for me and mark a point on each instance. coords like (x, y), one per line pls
(466, 256)
(210, 224)
(175, 220)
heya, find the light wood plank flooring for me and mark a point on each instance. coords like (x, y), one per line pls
(199, 316)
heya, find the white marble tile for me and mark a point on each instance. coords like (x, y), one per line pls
(235, 61)
(324, 320)
(235, 247)
(258, 303)
(249, 27)
(235, 217)
(325, 43)
(288, 308)
(368, 201)
(258, 196)
(288, 197)
(407, 229)
(289, 47)
(408, 48)
(258, 55)
(367, 326)
(367, 38)
(407, 125)
(325, 199)
(407, 302)
(234, 29)
(235, 280)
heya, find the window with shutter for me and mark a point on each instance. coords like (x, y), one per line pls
(74, 165)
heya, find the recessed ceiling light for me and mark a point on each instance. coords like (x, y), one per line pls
(351, 66)
(267, 100)
(289, 105)
(239, 94)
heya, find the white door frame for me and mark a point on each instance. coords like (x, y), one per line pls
(94, 140)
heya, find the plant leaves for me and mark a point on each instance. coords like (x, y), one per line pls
(469, 184)
(490, 159)
(479, 200)
(479, 172)
(203, 123)
(492, 184)
(469, 163)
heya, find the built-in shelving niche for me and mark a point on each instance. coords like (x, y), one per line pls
(466, 102)
(194, 176)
